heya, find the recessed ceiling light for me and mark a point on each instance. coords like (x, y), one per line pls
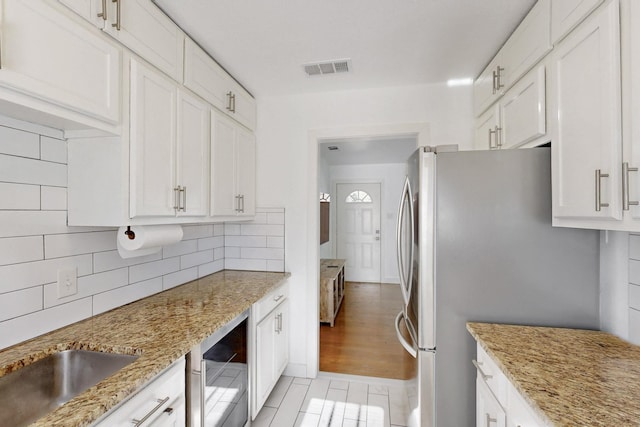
(459, 82)
(333, 147)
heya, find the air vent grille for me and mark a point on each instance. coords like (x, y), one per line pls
(328, 67)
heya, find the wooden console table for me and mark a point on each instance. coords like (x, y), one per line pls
(331, 288)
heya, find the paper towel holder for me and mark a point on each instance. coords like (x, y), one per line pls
(130, 234)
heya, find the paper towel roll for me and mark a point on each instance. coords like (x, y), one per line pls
(148, 239)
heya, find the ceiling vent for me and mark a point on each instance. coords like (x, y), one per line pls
(327, 67)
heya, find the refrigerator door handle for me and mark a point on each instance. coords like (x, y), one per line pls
(405, 281)
(412, 350)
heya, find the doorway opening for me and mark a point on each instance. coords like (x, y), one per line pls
(364, 178)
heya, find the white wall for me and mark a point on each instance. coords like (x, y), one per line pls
(283, 171)
(391, 177)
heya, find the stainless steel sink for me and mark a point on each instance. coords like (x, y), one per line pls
(37, 389)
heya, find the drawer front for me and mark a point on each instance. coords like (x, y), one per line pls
(270, 301)
(491, 375)
(160, 400)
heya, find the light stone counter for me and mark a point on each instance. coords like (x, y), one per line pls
(160, 328)
(570, 377)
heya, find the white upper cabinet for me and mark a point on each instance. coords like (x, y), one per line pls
(153, 143)
(528, 44)
(246, 171)
(49, 54)
(91, 10)
(631, 108)
(566, 14)
(586, 125)
(205, 77)
(193, 154)
(488, 130)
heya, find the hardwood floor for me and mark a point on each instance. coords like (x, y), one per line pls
(363, 340)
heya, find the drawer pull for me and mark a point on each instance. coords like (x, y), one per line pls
(138, 423)
(482, 374)
(491, 420)
(278, 298)
(169, 410)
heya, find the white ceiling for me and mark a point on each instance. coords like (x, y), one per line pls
(263, 43)
(358, 151)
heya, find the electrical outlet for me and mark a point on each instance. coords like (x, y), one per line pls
(67, 283)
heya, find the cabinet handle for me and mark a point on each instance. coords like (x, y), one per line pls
(278, 298)
(118, 14)
(176, 198)
(138, 423)
(242, 201)
(183, 190)
(233, 99)
(491, 420)
(169, 411)
(103, 14)
(275, 325)
(625, 187)
(229, 97)
(599, 176)
(498, 75)
(492, 132)
(498, 137)
(482, 374)
(238, 203)
(494, 86)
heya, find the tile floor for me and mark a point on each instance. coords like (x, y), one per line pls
(335, 400)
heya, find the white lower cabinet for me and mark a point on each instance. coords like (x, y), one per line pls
(269, 338)
(498, 403)
(161, 402)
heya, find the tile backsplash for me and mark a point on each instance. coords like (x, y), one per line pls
(35, 243)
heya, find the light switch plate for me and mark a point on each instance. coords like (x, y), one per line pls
(67, 283)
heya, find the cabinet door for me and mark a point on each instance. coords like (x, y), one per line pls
(52, 54)
(488, 129)
(519, 413)
(246, 171)
(528, 43)
(91, 10)
(193, 154)
(586, 117)
(265, 362)
(147, 31)
(489, 413)
(152, 143)
(523, 110)
(281, 354)
(485, 92)
(204, 76)
(223, 168)
(244, 107)
(566, 14)
(631, 33)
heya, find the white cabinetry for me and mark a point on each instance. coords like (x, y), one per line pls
(586, 125)
(498, 403)
(270, 344)
(205, 77)
(518, 118)
(566, 14)
(525, 47)
(233, 160)
(159, 403)
(49, 54)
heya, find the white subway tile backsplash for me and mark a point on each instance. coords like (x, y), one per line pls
(179, 277)
(54, 198)
(261, 230)
(19, 143)
(231, 252)
(260, 218)
(126, 294)
(180, 248)
(61, 245)
(275, 242)
(218, 253)
(110, 260)
(19, 196)
(192, 260)
(634, 246)
(634, 326)
(262, 253)
(25, 327)
(30, 171)
(218, 229)
(232, 229)
(246, 241)
(31, 223)
(210, 243)
(53, 150)
(15, 250)
(21, 302)
(25, 275)
(634, 296)
(634, 271)
(275, 265)
(275, 218)
(245, 264)
(210, 268)
(87, 286)
(197, 231)
(138, 273)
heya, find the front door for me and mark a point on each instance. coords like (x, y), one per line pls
(358, 230)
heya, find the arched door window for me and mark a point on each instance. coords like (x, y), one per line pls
(358, 196)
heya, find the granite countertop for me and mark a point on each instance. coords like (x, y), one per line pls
(160, 328)
(570, 377)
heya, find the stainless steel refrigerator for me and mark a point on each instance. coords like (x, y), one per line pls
(475, 243)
